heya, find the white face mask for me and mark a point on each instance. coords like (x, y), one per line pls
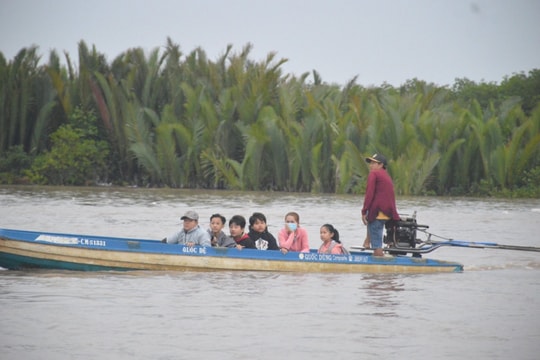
(292, 226)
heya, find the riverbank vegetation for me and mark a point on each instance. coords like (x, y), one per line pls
(166, 118)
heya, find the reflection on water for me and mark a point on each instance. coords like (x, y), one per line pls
(63, 315)
(382, 293)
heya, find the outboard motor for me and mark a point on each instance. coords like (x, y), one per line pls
(402, 235)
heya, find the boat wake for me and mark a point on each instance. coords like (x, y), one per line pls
(531, 265)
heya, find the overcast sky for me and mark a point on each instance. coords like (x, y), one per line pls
(377, 40)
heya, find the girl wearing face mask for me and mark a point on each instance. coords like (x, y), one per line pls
(292, 237)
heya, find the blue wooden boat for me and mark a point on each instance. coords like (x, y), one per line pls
(29, 249)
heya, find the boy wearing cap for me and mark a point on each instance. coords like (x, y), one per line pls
(191, 234)
(379, 201)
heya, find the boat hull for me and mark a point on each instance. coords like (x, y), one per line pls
(27, 249)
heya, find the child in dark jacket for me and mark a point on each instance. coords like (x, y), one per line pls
(258, 232)
(237, 224)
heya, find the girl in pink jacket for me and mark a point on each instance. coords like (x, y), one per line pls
(292, 237)
(331, 243)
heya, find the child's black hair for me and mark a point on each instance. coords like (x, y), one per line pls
(333, 230)
(223, 219)
(238, 220)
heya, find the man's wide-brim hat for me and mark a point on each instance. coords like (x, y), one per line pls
(192, 215)
(377, 158)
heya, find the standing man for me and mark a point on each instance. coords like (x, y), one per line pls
(379, 202)
(191, 233)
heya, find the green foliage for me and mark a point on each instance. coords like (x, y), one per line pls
(530, 183)
(524, 87)
(166, 118)
(76, 157)
(13, 163)
(72, 160)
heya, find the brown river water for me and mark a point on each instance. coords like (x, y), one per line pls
(490, 311)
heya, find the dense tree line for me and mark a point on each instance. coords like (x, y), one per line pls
(182, 120)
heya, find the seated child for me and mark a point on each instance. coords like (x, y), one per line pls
(330, 239)
(237, 224)
(258, 232)
(217, 236)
